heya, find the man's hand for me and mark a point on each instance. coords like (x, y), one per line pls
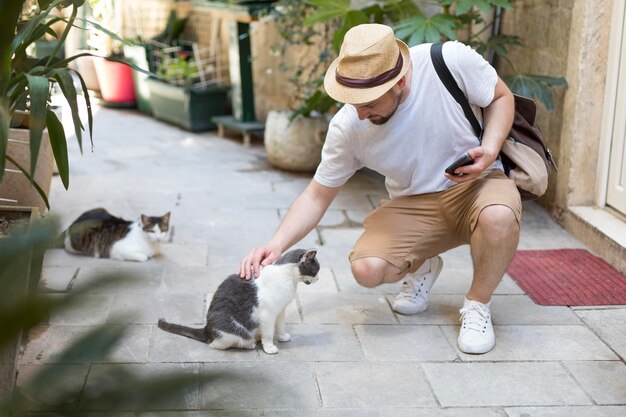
(482, 160)
(259, 257)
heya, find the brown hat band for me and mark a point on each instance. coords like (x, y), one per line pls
(370, 82)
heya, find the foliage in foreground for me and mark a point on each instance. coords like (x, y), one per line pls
(50, 389)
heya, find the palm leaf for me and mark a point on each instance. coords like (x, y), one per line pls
(38, 90)
(58, 142)
(326, 10)
(63, 77)
(538, 87)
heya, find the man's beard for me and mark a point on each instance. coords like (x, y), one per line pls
(381, 120)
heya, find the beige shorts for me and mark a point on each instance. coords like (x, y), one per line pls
(406, 230)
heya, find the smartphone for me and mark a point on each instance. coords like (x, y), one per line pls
(462, 161)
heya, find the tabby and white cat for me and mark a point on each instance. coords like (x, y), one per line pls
(99, 234)
(243, 312)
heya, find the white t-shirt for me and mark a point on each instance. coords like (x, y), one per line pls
(426, 134)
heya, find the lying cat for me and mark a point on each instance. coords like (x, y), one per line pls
(243, 312)
(99, 234)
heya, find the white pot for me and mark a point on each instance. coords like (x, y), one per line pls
(295, 146)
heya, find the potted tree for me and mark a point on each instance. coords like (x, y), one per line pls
(294, 137)
(115, 78)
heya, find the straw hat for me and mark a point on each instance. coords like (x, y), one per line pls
(370, 62)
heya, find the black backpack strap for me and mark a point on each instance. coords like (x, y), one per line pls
(450, 83)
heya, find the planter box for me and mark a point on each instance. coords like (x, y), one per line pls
(141, 55)
(29, 268)
(15, 186)
(189, 108)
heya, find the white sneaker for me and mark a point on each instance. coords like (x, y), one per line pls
(416, 287)
(476, 335)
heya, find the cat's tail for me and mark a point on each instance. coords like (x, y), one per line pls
(202, 334)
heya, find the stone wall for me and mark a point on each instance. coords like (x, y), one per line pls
(544, 29)
(566, 38)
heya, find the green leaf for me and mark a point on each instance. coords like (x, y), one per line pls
(24, 35)
(38, 91)
(537, 87)
(63, 77)
(87, 105)
(58, 142)
(418, 29)
(9, 15)
(326, 10)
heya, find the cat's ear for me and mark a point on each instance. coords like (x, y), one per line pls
(145, 219)
(310, 254)
(166, 217)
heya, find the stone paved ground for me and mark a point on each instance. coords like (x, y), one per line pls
(350, 355)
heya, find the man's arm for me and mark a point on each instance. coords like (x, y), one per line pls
(498, 119)
(303, 215)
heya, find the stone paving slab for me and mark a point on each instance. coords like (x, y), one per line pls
(451, 412)
(503, 384)
(343, 308)
(371, 384)
(73, 379)
(318, 343)
(189, 400)
(608, 324)
(204, 413)
(405, 343)
(57, 279)
(566, 411)
(322, 413)
(149, 308)
(540, 343)
(51, 342)
(604, 381)
(253, 385)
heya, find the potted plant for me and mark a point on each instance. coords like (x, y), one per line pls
(189, 87)
(26, 89)
(115, 78)
(141, 53)
(294, 137)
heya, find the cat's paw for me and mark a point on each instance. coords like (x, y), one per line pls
(284, 337)
(270, 349)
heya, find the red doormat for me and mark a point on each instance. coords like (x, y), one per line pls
(567, 277)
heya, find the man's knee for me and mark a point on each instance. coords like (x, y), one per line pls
(498, 220)
(368, 272)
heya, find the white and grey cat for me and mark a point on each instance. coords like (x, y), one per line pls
(99, 234)
(243, 312)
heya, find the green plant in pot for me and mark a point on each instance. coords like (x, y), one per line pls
(294, 135)
(189, 87)
(27, 84)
